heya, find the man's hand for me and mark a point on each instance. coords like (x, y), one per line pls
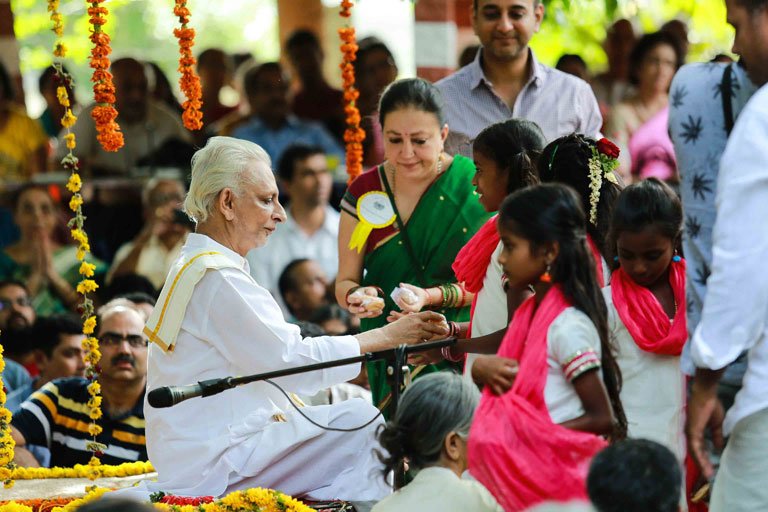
(704, 411)
(497, 373)
(417, 328)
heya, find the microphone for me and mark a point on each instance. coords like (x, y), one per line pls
(168, 396)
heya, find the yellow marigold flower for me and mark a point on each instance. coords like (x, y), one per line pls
(8, 484)
(53, 5)
(76, 202)
(87, 286)
(69, 119)
(89, 325)
(80, 254)
(94, 429)
(60, 50)
(78, 235)
(5, 416)
(94, 402)
(5, 473)
(70, 140)
(94, 357)
(94, 388)
(75, 183)
(95, 414)
(63, 97)
(87, 269)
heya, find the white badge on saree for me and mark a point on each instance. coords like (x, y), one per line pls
(374, 211)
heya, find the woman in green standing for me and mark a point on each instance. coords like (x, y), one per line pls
(404, 220)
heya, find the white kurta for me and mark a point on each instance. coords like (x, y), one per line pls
(214, 445)
(653, 389)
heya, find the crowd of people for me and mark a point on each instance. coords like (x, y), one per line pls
(593, 244)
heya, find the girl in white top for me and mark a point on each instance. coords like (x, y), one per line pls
(646, 311)
(430, 430)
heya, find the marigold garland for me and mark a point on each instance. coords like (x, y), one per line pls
(104, 113)
(6, 441)
(353, 135)
(83, 471)
(189, 81)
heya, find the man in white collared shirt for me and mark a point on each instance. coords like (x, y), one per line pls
(505, 80)
(735, 314)
(215, 321)
(311, 228)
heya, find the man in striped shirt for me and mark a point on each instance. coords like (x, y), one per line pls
(57, 415)
(505, 80)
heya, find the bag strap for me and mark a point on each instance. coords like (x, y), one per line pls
(725, 95)
(404, 232)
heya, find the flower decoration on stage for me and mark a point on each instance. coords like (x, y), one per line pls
(353, 135)
(189, 81)
(602, 163)
(83, 471)
(104, 113)
(6, 441)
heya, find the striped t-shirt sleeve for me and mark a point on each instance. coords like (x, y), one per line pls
(37, 415)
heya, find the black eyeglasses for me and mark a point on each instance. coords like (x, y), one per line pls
(21, 301)
(113, 339)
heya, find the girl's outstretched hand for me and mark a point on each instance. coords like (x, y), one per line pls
(411, 299)
(496, 373)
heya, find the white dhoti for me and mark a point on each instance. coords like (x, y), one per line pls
(741, 484)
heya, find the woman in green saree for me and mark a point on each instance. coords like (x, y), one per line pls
(407, 218)
(49, 269)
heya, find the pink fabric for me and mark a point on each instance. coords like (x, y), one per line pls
(643, 315)
(471, 263)
(598, 257)
(514, 448)
(651, 149)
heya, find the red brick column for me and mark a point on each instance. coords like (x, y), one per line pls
(435, 38)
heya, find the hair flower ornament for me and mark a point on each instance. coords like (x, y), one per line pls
(603, 162)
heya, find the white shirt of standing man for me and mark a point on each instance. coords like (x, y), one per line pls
(735, 314)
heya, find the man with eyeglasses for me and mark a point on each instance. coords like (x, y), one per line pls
(16, 318)
(55, 414)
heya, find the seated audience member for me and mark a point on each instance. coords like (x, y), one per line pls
(52, 414)
(159, 243)
(58, 354)
(215, 68)
(573, 65)
(49, 268)
(335, 320)
(430, 431)
(145, 303)
(147, 125)
(311, 227)
(120, 286)
(303, 287)
(272, 126)
(375, 69)
(635, 475)
(50, 119)
(22, 140)
(14, 376)
(227, 124)
(160, 88)
(16, 319)
(316, 100)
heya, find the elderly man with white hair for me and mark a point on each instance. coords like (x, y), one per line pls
(213, 320)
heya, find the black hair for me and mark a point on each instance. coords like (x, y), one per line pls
(209, 53)
(138, 298)
(14, 282)
(48, 331)
(513, 145)
(292, 155)
(566, 160)
(8, 91)
(566, 57)
(650, 202)
(430, 409)
(635, 475)
(302, 37)
(368, 45)
(331, 311)
(251, 78)
(124, 284)
(287, 282)
(646, 44)
(552, 213)
(414, 93)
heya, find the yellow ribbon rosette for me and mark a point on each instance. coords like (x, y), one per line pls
(374, 211)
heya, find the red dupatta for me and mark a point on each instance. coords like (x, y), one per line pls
(515, 450)
(643, 315)
(472, 261)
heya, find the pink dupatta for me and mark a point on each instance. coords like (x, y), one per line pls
(515, 450)
(644, 317)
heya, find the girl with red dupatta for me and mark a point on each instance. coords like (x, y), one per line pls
(534, 442)
(646, 311)
(505, 157)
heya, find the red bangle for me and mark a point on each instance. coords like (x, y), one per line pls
(446, 353)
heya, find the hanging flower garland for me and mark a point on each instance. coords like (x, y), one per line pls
(104, 113)
(189, 81)
(6, 441)
(353, 135)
